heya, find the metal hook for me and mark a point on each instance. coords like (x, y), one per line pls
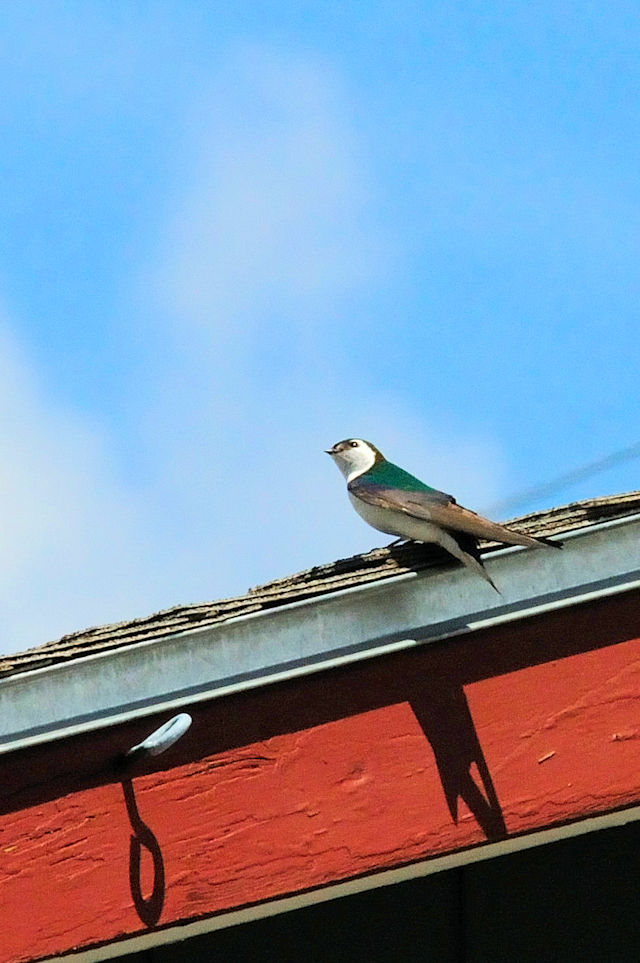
(161, 739)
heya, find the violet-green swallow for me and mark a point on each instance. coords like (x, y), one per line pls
(397, 503)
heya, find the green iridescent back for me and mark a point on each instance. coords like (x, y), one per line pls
(386, 473)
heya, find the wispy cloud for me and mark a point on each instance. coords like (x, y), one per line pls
(72, 541)
(255, 364)
(274, 241)
(276, 219)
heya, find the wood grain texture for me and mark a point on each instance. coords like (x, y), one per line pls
(321, 779)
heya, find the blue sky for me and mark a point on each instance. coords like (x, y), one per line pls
(234, 233)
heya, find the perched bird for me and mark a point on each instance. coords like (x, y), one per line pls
(397, 503)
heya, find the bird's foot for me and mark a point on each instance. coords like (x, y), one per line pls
(399, 541)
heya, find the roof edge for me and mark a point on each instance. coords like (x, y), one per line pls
(356, 571)
(301, 637)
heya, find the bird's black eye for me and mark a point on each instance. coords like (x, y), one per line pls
(354, 444)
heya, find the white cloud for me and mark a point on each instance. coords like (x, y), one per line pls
(274, 222)
(254, 373)
(72, 540)
(272, 240)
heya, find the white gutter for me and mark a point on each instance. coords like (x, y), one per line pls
(314, 635)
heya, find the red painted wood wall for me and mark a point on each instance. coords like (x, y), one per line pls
(343, 773)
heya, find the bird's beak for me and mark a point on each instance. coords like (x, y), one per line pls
(330, 451)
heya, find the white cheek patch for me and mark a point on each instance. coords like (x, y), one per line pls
(358, 461)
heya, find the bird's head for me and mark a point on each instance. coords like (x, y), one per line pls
(354, 456)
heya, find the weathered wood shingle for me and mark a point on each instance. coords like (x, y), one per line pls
(380, 563)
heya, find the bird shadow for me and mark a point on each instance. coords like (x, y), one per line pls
(445, 719)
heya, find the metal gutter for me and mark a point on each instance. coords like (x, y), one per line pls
(314, 635)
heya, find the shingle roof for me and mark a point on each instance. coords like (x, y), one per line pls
(381, 563)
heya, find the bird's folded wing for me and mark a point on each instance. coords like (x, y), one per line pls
(439, 508)
(420, 504)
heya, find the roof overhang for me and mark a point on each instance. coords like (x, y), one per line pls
(315, 634)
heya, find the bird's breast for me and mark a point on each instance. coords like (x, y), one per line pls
(380, 518)
(395, 523)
